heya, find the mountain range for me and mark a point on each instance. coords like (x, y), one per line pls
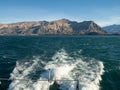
(112, 29)
(62, 26)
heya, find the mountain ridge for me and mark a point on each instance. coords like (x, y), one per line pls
(112, 29)
(62, 26)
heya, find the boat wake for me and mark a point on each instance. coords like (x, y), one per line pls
(61, 73)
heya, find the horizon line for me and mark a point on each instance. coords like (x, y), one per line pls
(20, 21)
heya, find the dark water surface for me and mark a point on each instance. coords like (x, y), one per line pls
(23, 51)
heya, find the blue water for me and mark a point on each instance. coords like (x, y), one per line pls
(94, 60)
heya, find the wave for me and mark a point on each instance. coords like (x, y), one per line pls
(63, 68)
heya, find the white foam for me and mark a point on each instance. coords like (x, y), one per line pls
(62, 67)
(21, 71)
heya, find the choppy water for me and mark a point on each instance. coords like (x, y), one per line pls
(93, 60)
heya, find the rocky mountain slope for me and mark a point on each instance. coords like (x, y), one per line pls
(62, 26)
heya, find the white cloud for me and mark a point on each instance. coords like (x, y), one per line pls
(109, 21)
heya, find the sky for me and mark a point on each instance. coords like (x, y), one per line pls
(103, 12)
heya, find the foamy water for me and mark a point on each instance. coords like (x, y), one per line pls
(62, 67)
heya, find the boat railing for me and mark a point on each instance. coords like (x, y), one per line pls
(48, 80)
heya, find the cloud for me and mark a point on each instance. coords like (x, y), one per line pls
(109, 21)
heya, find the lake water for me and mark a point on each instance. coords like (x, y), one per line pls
(29, 61)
